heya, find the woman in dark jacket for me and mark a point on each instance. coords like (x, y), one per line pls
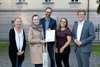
(17, 44)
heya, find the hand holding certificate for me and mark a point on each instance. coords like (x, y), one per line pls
(50, 35)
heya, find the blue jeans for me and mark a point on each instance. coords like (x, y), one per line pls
(51, 53)
(17, 65)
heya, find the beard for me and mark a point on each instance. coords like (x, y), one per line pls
(48, 16)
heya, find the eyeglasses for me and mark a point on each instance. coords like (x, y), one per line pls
(63, 21)
(48, 12)
(81, 14)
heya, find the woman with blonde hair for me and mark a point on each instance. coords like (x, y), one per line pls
(17, 43)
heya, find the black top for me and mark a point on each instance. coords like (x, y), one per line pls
(13, 48)
(61, 37)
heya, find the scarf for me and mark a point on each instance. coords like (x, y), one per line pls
(39, 28)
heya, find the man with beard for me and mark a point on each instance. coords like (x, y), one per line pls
(49, 24)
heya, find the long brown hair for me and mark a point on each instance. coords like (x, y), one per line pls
(65, 26)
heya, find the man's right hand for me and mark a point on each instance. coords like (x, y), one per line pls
(78, 43)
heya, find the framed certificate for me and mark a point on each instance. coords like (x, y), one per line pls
(50, 35)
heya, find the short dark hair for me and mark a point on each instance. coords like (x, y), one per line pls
(48, 8)
(81, 11)
(34, 16)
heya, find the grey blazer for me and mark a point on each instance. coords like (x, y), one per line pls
(87, 36)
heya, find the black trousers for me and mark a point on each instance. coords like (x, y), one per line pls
(38, 65)
(64, 56)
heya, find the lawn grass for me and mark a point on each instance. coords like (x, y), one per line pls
(96, 49)
(4, 48)
(71, 45)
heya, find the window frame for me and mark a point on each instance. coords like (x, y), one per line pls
(74, 1)
(21, 1)
(48, 1)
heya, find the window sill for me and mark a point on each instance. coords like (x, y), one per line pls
(48, 3)
(21, 3)
(74, 2)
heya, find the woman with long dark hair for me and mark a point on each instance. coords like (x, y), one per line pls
(62, 47)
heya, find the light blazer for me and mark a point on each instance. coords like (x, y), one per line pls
(34, 39)
(87, 36)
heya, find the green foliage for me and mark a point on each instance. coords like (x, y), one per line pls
(98, 9)
(98, 1)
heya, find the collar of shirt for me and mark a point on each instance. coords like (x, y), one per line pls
(46, 19)
(81, 22)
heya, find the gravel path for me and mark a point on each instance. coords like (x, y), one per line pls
(5, 62)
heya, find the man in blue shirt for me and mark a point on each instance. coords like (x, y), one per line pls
(46, 25)
(49, 24)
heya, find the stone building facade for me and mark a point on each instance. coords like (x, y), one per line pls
(10, 9)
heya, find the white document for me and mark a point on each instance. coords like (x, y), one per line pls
(50, 35)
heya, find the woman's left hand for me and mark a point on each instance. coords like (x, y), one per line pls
(61, 49)
(20, 53)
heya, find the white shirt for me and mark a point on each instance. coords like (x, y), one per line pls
(19, 40)
(79, 29)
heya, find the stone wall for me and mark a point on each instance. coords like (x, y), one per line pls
(8, 15)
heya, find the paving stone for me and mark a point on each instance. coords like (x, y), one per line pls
(5, 62)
